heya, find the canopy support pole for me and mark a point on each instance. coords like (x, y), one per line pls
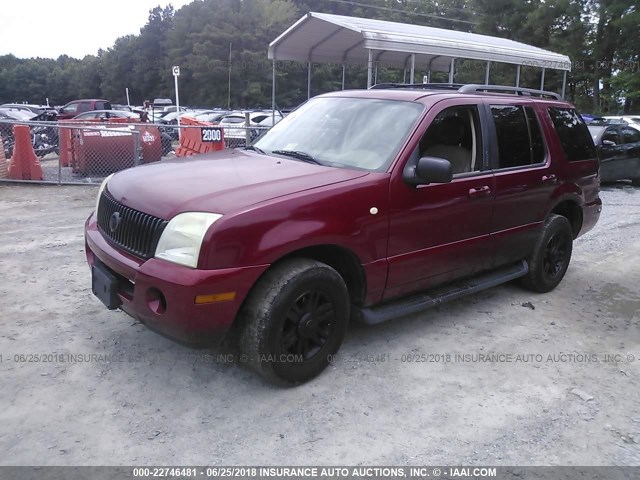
(375, 74)
(308, 80)
(542, 79)
(413, 68)
(343, 74)
(518, 76)
(452, 69)
(273, 94)
(486, 74)
(564, 83)
(369, 68)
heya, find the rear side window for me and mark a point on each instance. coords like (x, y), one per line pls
(574, 135)
(520, 140)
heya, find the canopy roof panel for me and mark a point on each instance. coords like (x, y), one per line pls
(327, 38)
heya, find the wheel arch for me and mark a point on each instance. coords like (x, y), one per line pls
(342, 260)
(569, 208)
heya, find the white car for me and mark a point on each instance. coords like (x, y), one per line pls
(627, 118)
(262, 120)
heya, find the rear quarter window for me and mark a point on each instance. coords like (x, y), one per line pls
(574, 134)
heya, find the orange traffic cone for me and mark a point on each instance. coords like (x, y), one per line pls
(24, 163)
(4, 168)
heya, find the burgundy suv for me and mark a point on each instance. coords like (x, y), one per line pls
(363, 205)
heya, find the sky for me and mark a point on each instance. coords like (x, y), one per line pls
(50, 28)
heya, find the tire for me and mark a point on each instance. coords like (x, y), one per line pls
(635, 182)
(551, 256)
(294, 321)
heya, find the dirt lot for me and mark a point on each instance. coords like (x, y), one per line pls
(143, 399)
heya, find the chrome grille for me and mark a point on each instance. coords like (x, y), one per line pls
(137, 233)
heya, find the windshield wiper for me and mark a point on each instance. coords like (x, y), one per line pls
(297, 154)
(255, 149)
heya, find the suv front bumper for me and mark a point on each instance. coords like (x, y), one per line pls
(162, 295)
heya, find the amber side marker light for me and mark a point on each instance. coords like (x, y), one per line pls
(214, 298)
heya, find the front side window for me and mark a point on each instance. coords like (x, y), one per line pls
(630, 135)
(361, 133)
(71, 108)
(574, 135)
(519, 137)
(455, 135)
(611, 135)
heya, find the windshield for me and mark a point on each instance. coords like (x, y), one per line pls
(363, 133)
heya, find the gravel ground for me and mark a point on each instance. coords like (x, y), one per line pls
(563, 388)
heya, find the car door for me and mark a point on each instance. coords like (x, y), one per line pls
(630, 169)
(524, 177)
(611, 154)
(439, 232)
(69, 111)
(85, 106)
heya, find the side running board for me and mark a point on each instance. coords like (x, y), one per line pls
(440, 295)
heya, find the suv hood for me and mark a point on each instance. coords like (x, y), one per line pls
(220, 182)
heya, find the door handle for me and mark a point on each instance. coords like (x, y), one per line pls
(479, 192)
(549, 178)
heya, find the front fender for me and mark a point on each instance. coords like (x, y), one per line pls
(353, 215)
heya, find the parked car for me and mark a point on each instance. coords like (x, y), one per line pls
(619, 151)
(235, 126)
(119, 106)
(76, 107)
(106, 115)
(363, 205)
(627, 119)
(35, 109)
(212, 117)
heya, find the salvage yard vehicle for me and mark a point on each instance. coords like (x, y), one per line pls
(364, 205)
(77, 107)
(618, 148)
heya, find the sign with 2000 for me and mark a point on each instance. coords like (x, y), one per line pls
(211, 134)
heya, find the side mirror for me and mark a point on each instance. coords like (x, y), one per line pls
(429, 170)
(608, 143)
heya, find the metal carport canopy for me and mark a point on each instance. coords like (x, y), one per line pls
(327, 38)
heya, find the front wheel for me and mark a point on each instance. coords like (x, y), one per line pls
(551, 256)
(294, 321)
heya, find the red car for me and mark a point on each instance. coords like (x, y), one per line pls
(71, 109)
(362, 205)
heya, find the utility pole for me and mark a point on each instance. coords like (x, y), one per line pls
(229, 90)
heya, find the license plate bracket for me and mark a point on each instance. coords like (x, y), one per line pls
(104, 285)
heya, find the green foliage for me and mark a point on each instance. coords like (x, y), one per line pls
(219, 43)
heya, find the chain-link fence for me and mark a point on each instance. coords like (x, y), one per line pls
(71, 152)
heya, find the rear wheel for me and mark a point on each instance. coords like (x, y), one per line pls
(551, 256)
(294, 321)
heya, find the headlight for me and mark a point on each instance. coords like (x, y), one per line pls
(103, 185)
(181, 240)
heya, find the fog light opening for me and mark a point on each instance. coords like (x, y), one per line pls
(156, 301)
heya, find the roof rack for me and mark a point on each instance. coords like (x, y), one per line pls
(472, 88)
(425, 86)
